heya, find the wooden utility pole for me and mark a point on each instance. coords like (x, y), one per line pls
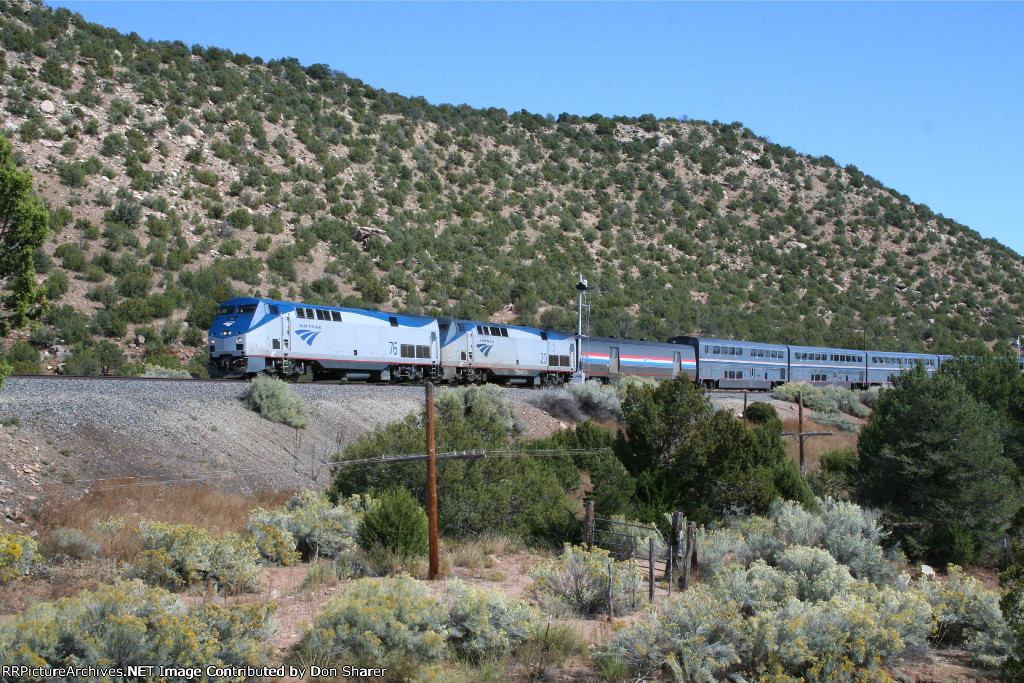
(434, 565)
(800, 428)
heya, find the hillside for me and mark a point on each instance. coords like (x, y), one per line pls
(177, 177)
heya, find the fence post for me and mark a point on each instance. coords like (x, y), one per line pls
(691, 551)
(588, 525)
(650, 567)
(611, 611)
(673, 542)
(668, 574)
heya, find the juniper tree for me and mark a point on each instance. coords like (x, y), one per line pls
(24, 227)
(932, 460)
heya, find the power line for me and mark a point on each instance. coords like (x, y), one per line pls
(153, 479)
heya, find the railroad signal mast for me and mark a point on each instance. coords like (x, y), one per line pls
(584, 303)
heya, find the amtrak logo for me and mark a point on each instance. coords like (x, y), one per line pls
(485, 348)
(307, 336)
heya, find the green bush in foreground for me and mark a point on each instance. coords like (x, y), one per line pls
(396, 620)
(381, 620)
(273, 399)
(395, 521)
(132, 624)
(485, 623)
(579, 580)
(812, 597)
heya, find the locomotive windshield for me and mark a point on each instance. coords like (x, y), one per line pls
(225, 310)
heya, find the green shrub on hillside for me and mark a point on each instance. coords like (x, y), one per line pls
(828, 399)
(273, 399)
(396, 522)
(515, 495)
(68, 543)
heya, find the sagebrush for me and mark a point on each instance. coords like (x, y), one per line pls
(132, 624)
(274, 399)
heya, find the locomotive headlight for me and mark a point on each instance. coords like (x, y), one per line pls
(239, 340)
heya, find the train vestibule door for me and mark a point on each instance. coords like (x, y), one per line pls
(676, 363)
(613, 360)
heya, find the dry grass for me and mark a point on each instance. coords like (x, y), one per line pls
(814, 446)
(481, 553)
(218, 511)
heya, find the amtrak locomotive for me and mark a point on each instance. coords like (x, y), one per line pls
(251, 335)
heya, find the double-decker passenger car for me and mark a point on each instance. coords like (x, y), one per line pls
(839, 367)
(736, 364)
(607, 358)
(883, 366)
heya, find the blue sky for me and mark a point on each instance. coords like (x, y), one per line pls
(926, 97)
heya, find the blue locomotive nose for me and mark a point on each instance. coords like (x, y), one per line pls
(227, 336)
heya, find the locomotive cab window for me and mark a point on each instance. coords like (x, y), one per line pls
(321, 314)
(225, 310)
(273, 310)
(495, 331)
(299, 313)
(246, 309)
(336, 316)
(393, 320)
(309, 313)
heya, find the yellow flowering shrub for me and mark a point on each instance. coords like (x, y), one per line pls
(17, 555)
(275, 545)
(132, 624)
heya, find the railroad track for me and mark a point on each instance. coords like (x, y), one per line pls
(103, 378)
(107, 378)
